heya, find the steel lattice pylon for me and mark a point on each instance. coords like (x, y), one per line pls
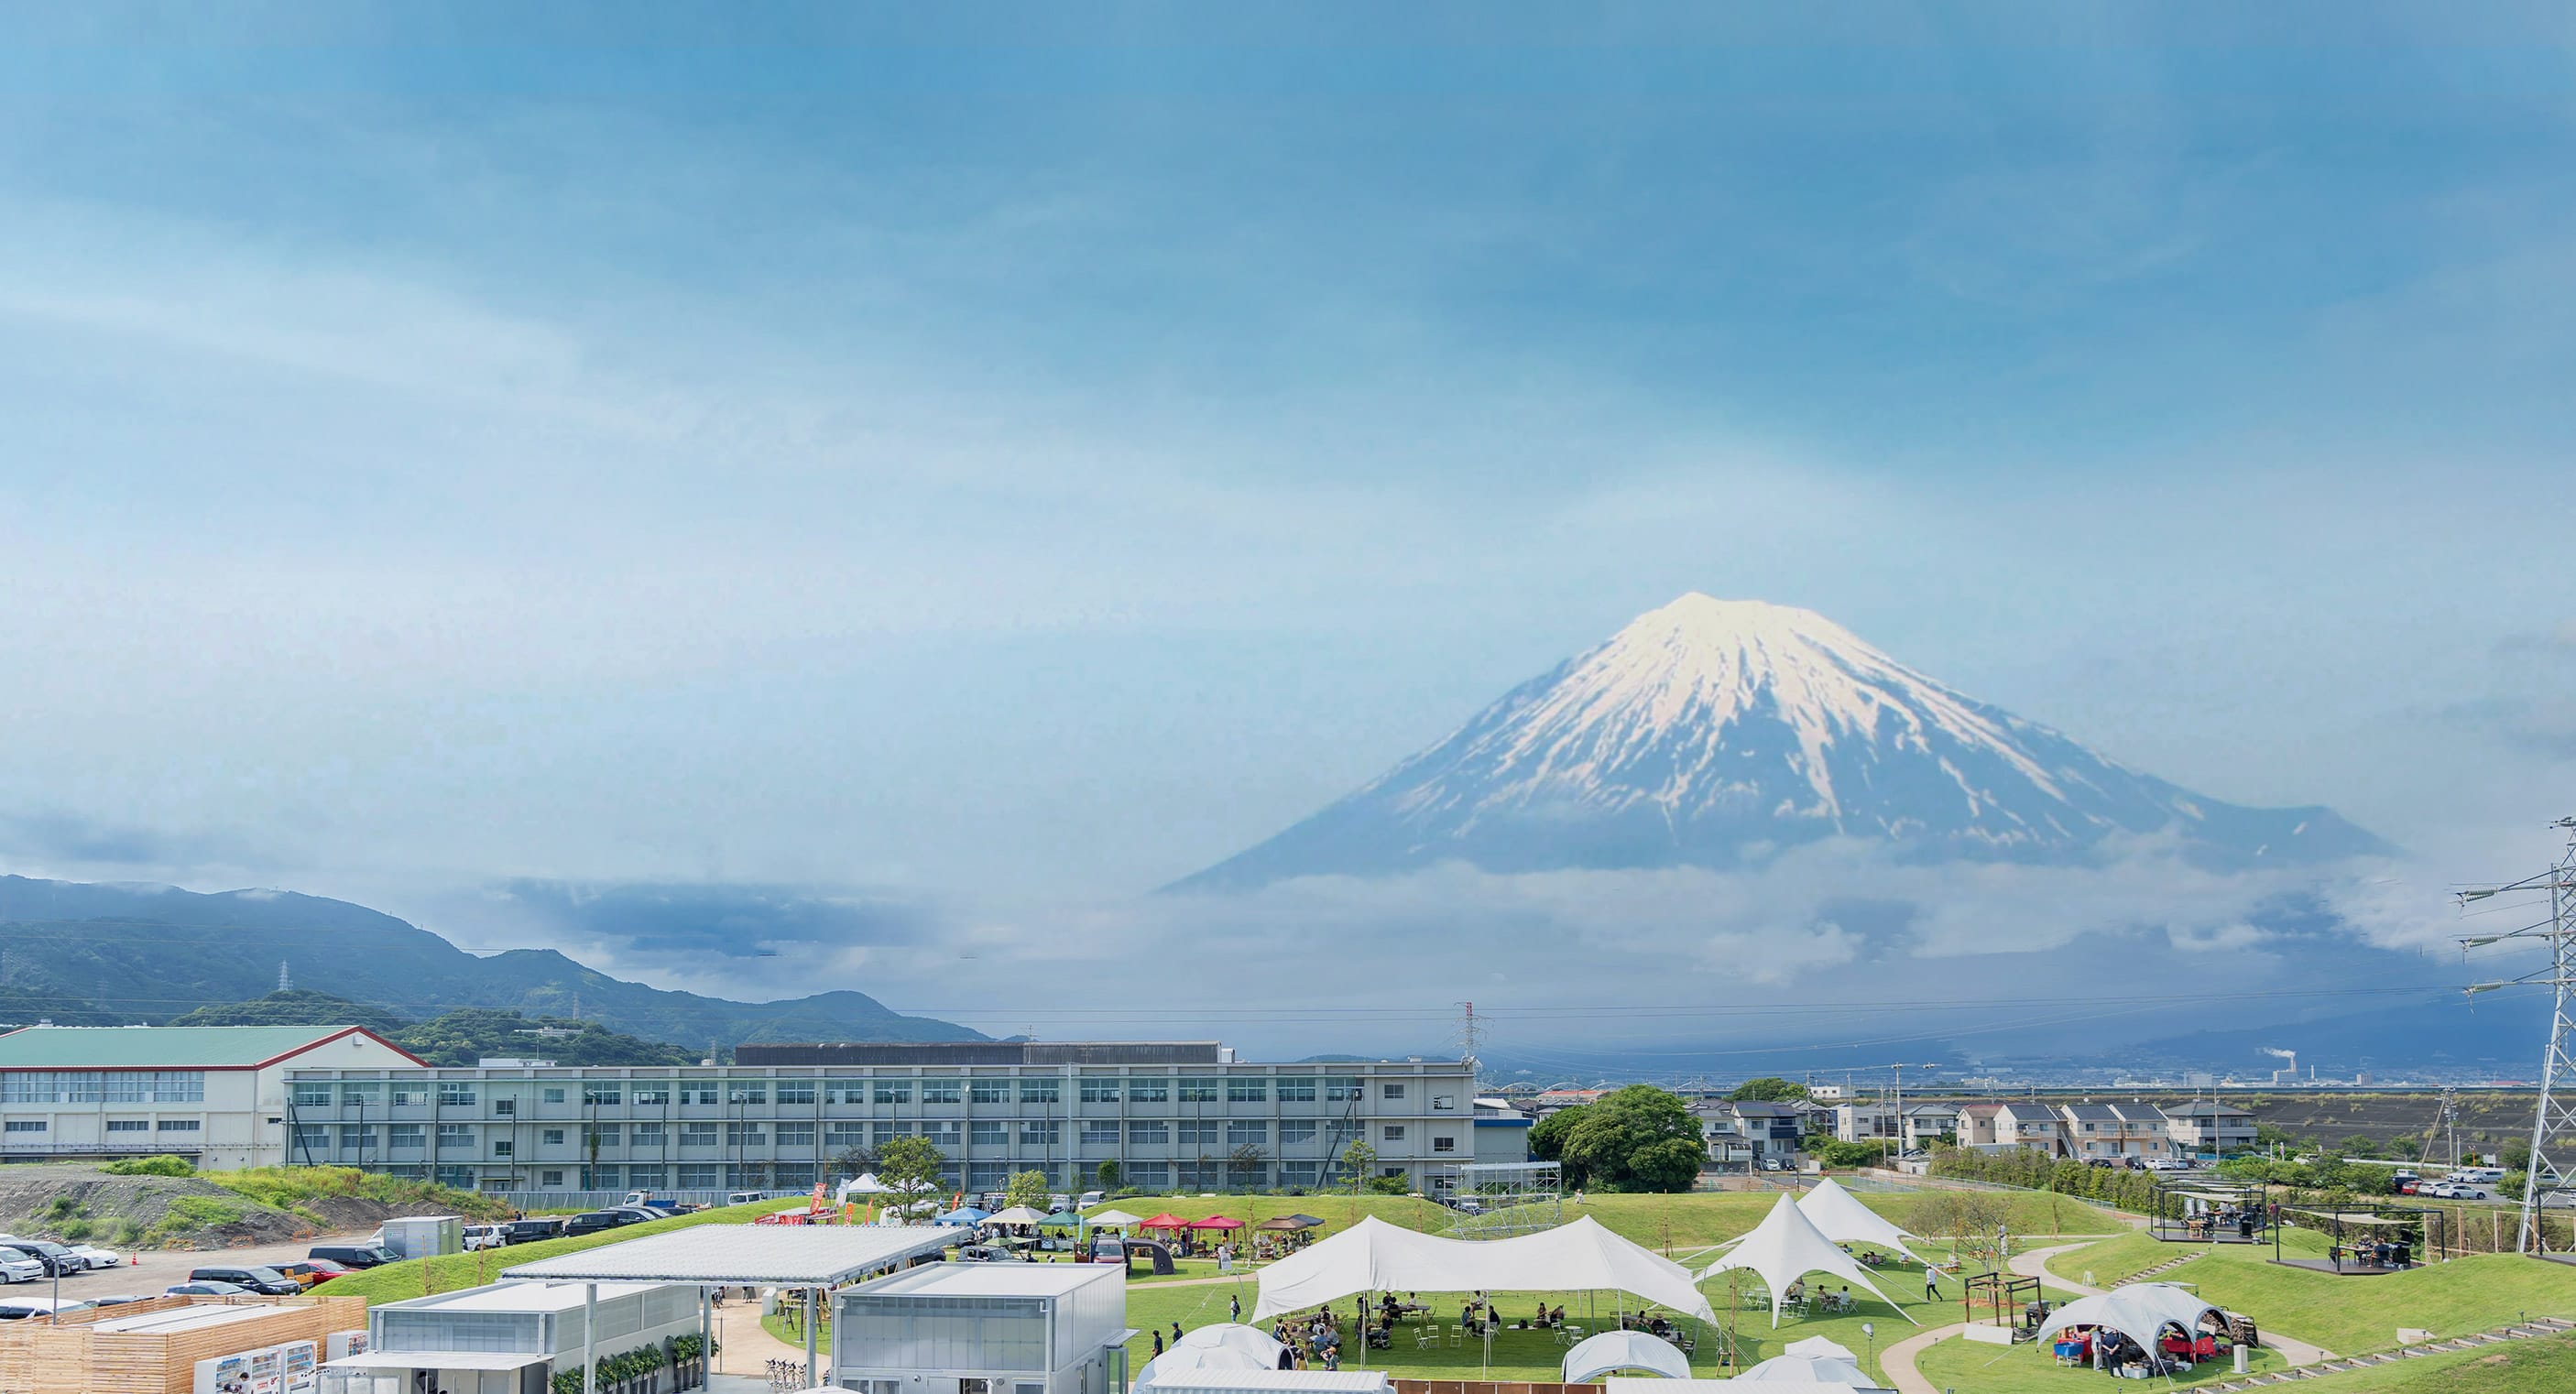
(2553, 1122)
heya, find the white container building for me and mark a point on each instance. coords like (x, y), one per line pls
(984, 1328)
(505, 1338)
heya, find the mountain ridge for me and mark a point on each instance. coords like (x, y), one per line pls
(1711, 732)
(162, 951)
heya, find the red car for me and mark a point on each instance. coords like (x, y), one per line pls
(312, 1271)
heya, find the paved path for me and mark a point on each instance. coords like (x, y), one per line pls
(1899, 1360)
(745, 1347)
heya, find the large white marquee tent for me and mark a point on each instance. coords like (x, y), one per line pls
(1374, 1256)
(1840, 1217)
(1221, 1346)
(1787, 1246)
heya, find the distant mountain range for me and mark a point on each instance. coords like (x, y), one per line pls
(152, 953)
(1710, 732)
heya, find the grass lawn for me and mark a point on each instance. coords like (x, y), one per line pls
(1969, 1365)
(420, 1277)
(2347, 1315)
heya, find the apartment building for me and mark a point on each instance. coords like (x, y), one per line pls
(1182, 1114)
(214, 1094)
(1864, 1122)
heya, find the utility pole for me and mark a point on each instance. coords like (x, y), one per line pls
(2553, 1123)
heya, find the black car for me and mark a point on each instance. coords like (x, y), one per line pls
(592, 1222)
(530, 1231)
(59, 1262)
(261, 1280)
(354, 1255)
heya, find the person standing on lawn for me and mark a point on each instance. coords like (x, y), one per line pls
(1931, 1282)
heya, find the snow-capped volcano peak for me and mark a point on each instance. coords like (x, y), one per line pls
(1710, 728)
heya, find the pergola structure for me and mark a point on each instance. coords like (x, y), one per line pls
(2368, 1239)
(717, 1256)
(2188, 1210)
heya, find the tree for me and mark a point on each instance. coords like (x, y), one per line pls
(1358, 1160)
(1547, 1140)
(1027, 1188)
(909, 1166)
(1108, 1173)
(1769, 1089)
(1243, 1166)
(854, 1162)
(1635, 1139)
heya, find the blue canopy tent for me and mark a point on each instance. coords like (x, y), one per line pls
(962, 1215)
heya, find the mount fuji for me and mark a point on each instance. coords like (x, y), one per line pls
(1712, 733)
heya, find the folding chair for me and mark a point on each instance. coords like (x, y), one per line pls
(1457, 1335)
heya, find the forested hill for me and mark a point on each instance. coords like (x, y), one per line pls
(148, 953)
(460, 1037)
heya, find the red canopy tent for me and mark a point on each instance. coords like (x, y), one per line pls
(1166, 1220)
(1217, 1222)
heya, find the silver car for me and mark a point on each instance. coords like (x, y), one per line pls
(16, 1267)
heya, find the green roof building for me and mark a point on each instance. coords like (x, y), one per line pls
(213, 1094)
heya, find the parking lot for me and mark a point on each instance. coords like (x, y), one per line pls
(151, 1270)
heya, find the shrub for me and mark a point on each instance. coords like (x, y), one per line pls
(150, 1166)
(75, 1229)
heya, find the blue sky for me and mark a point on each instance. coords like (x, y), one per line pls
(1029, 454)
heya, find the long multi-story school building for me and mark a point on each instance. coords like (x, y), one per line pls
(1170, 1113)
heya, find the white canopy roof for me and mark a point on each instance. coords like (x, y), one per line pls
(792, 1256)
(1374, 1256)
(2137, 1311)
(1016, 1215)
(1204, 1357)
(1840, 1217)
(1787, 1246)
(1831, 1372)
(1596, 1356)
(865, 1184)
(1821, 1347)
(1115, 1217)
(1208, 1380)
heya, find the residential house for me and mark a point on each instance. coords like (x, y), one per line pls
(2023, 1124)
(2208, 1126)
(1864, 1122)
(1928, 1123)
(2115, 1131)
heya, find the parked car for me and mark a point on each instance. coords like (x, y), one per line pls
(260, 1280)
(354, 1256)
(313, 1271)
(115, 1299)
(59, 1262)
(594, 1221)
(529, 1231)
(485, 1237)
(24, 1308)
(1089, 1199)
(204, 1290)
(745, 1197)
(97, 1257)
(16, 1267)
(1108, 1251)
(664, 1204)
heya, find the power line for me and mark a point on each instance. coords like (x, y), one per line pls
(2553, 1122)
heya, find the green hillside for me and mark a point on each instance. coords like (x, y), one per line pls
(154, 953)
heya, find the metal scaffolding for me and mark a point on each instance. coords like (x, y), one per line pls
(1496, 1200)
(2553, 1123)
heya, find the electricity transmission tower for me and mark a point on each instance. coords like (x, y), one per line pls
(2553, 1123)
